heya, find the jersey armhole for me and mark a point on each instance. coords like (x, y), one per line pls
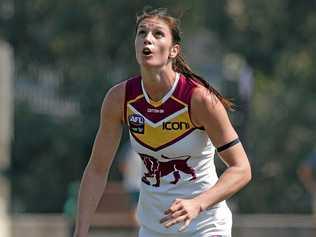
(190, 110)
(125, 103)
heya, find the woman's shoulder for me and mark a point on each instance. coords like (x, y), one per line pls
(113, 103)
(203, 101)
(205, 106)
(117, 92)
(202, 95)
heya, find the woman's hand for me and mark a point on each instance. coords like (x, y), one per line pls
(181, 211)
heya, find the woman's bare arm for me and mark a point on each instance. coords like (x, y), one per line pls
(105, 145)
(209, 112)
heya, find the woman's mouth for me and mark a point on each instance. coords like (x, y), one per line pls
(147, 52)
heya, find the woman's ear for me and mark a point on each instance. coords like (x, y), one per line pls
(174, 51)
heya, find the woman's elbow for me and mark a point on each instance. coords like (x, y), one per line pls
(247, 174)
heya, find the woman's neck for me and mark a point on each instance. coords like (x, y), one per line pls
(158, 83)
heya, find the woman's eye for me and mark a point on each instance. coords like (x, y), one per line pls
(141, 32)
(159, 34)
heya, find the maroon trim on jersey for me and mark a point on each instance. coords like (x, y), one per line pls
(156, 114)
(166, 144)
(184, 93)
(125, 104)
(184, 89)
(132, 90)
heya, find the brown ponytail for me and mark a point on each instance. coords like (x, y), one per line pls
(179, 65)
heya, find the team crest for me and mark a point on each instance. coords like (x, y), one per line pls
(157, 169)
(136, 123)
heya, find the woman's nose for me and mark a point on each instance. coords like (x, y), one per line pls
(148, 39)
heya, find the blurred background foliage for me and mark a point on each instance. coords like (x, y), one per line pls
(68, 53)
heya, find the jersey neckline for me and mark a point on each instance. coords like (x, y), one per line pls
(165, 97)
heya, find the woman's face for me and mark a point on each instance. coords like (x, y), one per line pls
(153, 43)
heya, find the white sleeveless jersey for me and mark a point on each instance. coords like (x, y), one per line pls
(178, 158)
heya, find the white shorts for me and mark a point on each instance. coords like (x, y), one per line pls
(218, 224)
(144, 232)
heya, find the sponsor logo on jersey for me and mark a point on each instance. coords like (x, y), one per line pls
(175, 125)
(156, 111)
(136, 123)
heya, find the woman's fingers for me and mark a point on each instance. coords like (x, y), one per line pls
(180, 211)
(175, 221)
(185, 225)
(172, 216)
(175, 206)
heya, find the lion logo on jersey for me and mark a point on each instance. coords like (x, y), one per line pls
(157, 169)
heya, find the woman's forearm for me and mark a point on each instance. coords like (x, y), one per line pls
(91, 190)
(230, 182)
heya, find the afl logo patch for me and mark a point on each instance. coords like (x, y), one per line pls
(136, 123)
